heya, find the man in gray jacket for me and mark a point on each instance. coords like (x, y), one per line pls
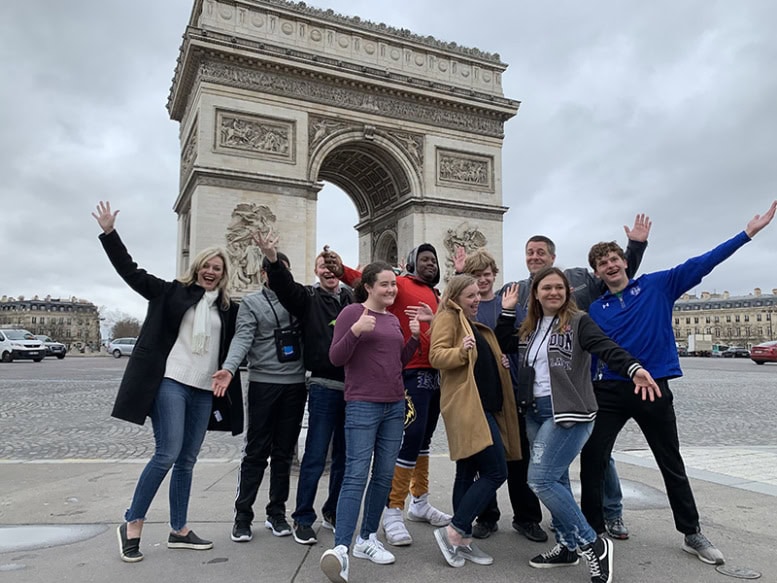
(270, 337)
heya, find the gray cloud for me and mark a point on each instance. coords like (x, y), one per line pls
(649, 107)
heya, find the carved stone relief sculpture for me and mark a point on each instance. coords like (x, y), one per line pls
(253, 135)
(320, 128)
(465, 235)
(458, 168)
(244, 255)
(189, 152)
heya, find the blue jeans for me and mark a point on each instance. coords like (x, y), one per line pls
(478, 477)
(179, 416)
(613, 495)
(373, 433)
(553, 449)
(326, 423)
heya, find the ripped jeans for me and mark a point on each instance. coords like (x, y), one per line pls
(553, 448)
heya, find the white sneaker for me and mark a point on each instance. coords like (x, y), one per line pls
(334, 564)
(373, 550)
(395, 529)
(421, 511)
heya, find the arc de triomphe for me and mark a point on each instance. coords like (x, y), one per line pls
(274, 97)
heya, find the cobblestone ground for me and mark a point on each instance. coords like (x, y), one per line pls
(57, 410)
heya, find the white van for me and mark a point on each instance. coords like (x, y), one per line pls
(20, 344)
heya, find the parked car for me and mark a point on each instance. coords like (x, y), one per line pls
(119, 347)
(53, 348)
(20, 344)
(736, 352)
(764, 352)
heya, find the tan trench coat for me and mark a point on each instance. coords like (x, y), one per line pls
(462, 411)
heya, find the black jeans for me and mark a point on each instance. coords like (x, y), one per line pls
(618, 404)
(526, 506)
(274, 419)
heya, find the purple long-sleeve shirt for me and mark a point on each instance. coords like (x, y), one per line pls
(374, 360)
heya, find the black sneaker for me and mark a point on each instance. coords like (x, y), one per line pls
(129, 548)
(599, 557)
(190, 541)
(531, 530)
(278, 525)
(328, 520)
(484, 529)
(241, 531)
(558, 556)
(304, 534)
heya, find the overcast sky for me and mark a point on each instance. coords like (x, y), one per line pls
(661, 107)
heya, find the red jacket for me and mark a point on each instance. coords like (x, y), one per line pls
(410, 292)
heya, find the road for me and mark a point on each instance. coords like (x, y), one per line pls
(60, 409)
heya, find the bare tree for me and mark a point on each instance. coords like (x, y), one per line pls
(126, 327)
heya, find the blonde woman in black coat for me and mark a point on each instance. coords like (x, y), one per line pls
(183, 341)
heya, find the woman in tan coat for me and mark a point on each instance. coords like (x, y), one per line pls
(478, 408)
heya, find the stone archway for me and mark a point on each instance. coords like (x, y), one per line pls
(274, 97)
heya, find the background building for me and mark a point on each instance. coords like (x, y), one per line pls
(74, 322)
(736, 321)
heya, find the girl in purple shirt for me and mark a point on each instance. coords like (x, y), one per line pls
(368, 343)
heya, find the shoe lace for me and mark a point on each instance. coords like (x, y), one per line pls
(553, 553)
(593, 561)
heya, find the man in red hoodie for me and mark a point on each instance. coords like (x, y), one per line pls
(422, 386)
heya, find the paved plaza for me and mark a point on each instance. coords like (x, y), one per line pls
(67, 470)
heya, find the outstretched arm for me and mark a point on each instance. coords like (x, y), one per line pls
(147, 285)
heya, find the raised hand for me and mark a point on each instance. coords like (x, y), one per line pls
(758, 222)
(645, 385)
(423, 312)
(365, 323)
(333, 262)
(459, 257)
(221, 379)
(641, 229)
(510, 297)
(105, 218)
(268, 243)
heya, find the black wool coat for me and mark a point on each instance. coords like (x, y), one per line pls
(168, 301)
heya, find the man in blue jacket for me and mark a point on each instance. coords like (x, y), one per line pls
(637, 314)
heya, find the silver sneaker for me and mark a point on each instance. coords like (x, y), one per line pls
(699, 545)
(449, 551)
(472, 552)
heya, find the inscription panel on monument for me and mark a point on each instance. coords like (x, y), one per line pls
(255, 136)
(465, 169)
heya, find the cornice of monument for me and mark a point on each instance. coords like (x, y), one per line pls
(265, 33)
(456, 110)
(401, 34)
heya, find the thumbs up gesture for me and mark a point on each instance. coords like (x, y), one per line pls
(365, 323)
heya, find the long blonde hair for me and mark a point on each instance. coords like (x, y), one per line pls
(197, 263)
(535, 313)
(454, 287)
